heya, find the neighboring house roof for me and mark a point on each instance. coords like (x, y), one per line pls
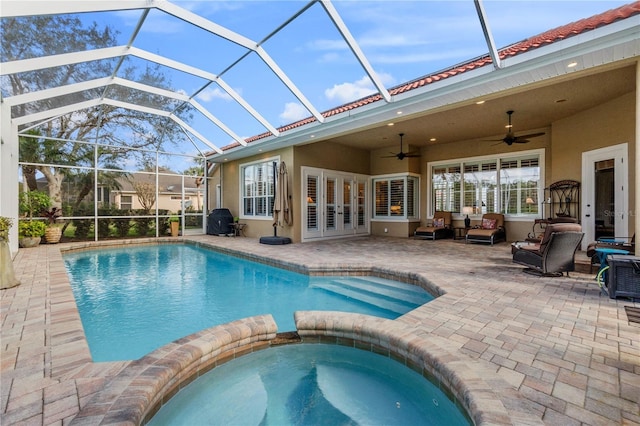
(167, 183)
(548, 37)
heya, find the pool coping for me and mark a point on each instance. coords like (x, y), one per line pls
(142, 386)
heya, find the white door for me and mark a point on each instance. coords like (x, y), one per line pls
(334, 204)
(605, 204)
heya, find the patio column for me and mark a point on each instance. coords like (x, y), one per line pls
(9, 173)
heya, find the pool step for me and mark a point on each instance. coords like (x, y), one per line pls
(391, 296)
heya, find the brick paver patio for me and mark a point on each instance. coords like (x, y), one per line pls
(569, 353)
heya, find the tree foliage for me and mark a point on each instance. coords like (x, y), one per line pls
(119, 131)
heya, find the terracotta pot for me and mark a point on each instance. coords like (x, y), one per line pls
(27, 242)
(53, 235)
(175, 229)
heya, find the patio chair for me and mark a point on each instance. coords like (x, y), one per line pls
(556, 252)
(440, 227)
(490, 230)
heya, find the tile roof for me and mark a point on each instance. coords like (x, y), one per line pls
(548, 37)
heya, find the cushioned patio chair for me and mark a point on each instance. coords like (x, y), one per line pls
(490, 230)
(554, 254)
(440, 227)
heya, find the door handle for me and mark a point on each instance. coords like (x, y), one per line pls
(587, 215)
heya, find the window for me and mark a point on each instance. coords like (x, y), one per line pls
(258, 188)
(126, 202)
(102, 195)
(510, 184)
(446, 182)
(396, 197)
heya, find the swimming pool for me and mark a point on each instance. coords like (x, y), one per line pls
(310, 384)
(135, 299)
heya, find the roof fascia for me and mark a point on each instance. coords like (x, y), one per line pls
(17, 8)
(355, 48)
(607, 46)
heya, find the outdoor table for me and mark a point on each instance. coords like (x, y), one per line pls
(602, 253)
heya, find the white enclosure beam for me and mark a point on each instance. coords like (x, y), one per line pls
(57, 91)
(43, 115)
(205, 24)
(14, 8)
(287, 82)
(195, 133)
(33, 64)
(488, 35)
(217, 122)
(355, 48)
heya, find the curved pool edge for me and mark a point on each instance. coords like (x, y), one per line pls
(138, 391)
(461, 378)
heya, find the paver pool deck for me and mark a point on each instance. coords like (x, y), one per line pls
(568, 352)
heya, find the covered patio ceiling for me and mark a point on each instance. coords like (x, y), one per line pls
(537, 84)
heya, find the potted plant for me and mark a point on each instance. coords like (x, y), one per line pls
(53, 232)
(31, 231)
(174, 223)
(7, 275)
(5, 224)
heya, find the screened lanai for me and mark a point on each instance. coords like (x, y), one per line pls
(127, 108)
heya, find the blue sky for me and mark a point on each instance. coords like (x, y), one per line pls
(403, 40)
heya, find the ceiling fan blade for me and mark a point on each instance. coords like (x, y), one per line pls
(532, 135)
(518, 140)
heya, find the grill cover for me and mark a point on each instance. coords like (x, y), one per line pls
(220, 222)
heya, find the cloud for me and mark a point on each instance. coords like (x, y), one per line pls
(346, 92)
(293, 111)
(209, 94)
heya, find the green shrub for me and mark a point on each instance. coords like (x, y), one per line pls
(31, 228)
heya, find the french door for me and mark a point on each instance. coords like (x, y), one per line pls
(605, 197)
(334, 204)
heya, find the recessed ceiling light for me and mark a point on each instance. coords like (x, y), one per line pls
(390, 124)
(432, 139)
(312, 136)
(480, 102)
(398, 112)
(572, 64)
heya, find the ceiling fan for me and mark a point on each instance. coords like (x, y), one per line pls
(402, 155)
(510, 138)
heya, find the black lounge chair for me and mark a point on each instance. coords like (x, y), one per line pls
(556, 252)
(440, 227)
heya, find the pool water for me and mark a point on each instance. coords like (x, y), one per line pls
(310, 384)
(133, 300)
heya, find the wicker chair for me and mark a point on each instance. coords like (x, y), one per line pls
(440, 227)
(556, 252)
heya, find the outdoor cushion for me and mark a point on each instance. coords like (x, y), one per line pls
(488, 223)
(438, 222)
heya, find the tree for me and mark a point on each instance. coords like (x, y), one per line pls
(27, 37)
(146, 193)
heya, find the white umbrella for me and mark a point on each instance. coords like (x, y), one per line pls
(282, 213)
